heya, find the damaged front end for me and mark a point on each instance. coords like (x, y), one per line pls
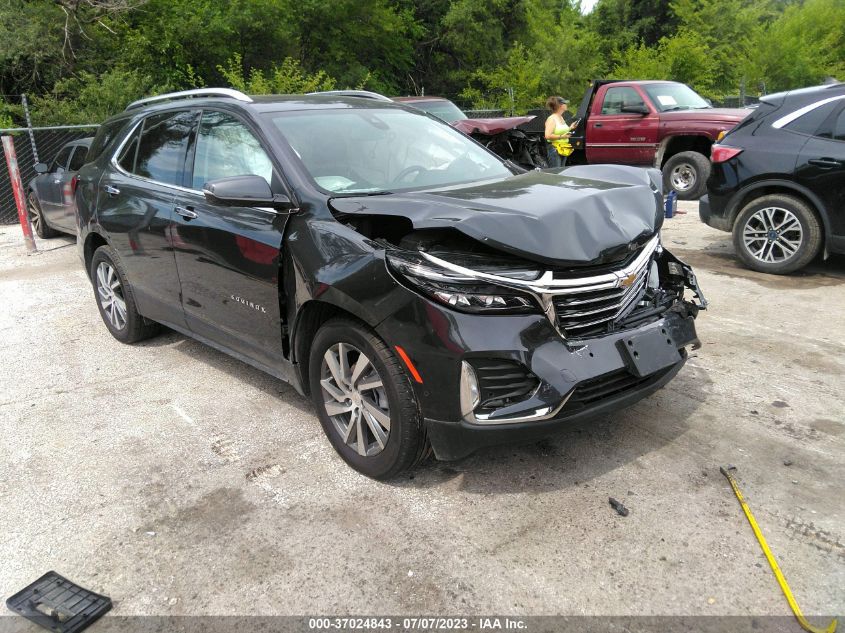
(523, 312)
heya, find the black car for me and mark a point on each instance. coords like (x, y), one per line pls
(50, 199)
(778, 180)
(426, 294)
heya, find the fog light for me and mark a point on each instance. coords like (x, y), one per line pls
(470, 394)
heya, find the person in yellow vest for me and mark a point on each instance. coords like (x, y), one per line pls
(557, 132)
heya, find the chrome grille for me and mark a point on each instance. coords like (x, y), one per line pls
(591, 309)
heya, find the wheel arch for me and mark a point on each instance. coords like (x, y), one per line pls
(768, 187)
(310, 317)
(92, 243)
(678, 143)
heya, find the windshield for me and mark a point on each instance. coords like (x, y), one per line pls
(666, 97)
(375, 151)
(445, 110)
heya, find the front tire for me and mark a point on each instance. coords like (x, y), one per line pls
(36, 218)
(115, 299)
(777, 234)
(365, 401)
(686, 174)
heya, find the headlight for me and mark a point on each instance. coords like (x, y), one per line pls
(461, 292)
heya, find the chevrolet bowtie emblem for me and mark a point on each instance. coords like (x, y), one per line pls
(627, 282)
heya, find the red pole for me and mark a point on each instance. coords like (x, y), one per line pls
(17, 189)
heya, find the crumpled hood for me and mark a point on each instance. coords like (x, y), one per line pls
(490, 126)
(585, 215)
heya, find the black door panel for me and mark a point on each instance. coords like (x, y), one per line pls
(228, 257)
(228, 263)
(138, 221)
(821, 168)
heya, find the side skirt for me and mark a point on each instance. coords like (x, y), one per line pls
(285, 372)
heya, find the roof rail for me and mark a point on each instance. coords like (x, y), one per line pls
(189, 94)
(366, 94)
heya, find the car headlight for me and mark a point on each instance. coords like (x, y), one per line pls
(461, 292)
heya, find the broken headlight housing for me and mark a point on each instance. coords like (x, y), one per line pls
(456, 290)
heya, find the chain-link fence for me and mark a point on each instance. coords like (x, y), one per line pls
(34, 145)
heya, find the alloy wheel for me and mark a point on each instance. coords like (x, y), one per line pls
(110, 294)
(355, 399)
(34, 215)
(772, 235)
(683, 177)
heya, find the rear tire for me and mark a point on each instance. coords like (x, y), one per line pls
(36, 218)
(777, 234)
(686, 173)
(352, 410)
(115, 299)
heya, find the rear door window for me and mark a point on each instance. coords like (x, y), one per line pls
(78, 158)
(834, 126)
(126, 158)
(810, 122)
(105, 135)
(60, 162)
(163, 146)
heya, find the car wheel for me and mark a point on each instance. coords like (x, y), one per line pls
(686, 174)
(116, 300)
(36, 218)
(777, 234)
(365, 400)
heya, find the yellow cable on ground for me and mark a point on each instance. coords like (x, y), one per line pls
(772, 562)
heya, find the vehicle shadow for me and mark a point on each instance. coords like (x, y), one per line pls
(718, 257)
(582, 451)
(239, 370)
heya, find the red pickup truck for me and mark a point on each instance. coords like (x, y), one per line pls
(663, 124)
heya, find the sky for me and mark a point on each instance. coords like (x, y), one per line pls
(587, 5)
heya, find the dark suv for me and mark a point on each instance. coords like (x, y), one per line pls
(426, 294)
(778, 180)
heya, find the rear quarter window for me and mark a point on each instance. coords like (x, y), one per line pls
(106, 133)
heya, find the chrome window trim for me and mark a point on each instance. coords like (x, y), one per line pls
(789, 118)
(113, 162)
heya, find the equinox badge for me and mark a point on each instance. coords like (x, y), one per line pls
(249, 304)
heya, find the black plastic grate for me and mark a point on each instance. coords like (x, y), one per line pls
(612, 384)
(503, 382)
(57, 604)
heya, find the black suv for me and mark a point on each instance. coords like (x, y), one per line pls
(426, 294)
(778, 180)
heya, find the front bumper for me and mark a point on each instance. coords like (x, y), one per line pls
(454, 440)
(438, 340)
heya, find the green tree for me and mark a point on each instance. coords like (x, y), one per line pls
(287, 78)
(684, 57)
(803, 46)
(89, 98)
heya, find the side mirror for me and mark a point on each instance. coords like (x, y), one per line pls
(245, 191)
(41, 168)
(634, 109)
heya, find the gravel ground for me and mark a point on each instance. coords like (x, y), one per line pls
(180, 481)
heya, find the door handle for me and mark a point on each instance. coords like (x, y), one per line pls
(57, 181)
(112, 191)
(186, 212)
(596, 124)
(825, 163)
